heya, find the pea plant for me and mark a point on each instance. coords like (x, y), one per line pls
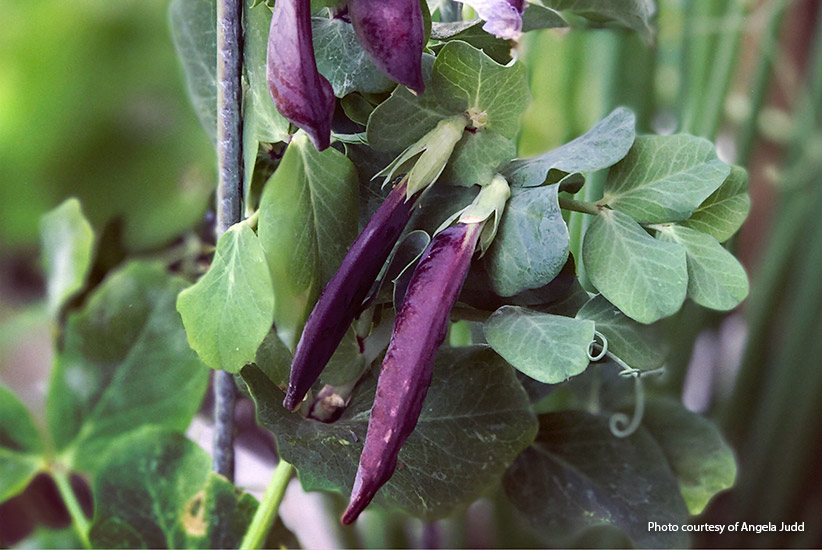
(395, 288)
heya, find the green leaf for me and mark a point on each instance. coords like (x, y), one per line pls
(357, 108)
(471, 32)
(644, 277)
(698, 455)
(531, 245)
(548, 348)
(722, 214)
(600, 147)
(342, 60)
(477, 157)
(157, 491)
(404, 118)
(347, 362)
(577, 475)
(260, 117)
(45, 537)
(715, 278)
(308, 218)
(475, 420)
(538, 17)
(274, 359)
(194, 31)
(632, 342)
(228, 312)
(664, 178)
(482, 85)
(463, 80)
(633, 14)
(20, 446)
(125, 364)
(67, 242)
(262, 123)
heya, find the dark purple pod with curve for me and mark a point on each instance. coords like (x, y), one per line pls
(419, 329)
(393, 34)
(343, 296)
(302, 95)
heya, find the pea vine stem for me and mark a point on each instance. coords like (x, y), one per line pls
(78, 518)
(229, 197)
(579, 206)
(264, 516)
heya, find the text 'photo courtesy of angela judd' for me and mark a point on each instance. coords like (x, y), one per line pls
(720, 528)
(441, 274)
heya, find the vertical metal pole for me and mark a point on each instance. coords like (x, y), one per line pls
(229, 197)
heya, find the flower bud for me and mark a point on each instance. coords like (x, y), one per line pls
(341, 300)
(425, 160)
(302, 95)
(392, 33)
(419, 329)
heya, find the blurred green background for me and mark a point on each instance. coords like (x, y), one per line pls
(93, 105)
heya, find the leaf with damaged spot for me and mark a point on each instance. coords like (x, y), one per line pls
(157, 490)
(476, 418)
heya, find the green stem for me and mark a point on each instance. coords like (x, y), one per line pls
(267, 511)
(760, 81)
(721, 73)
(697, 56)
(253, 219)
(78, 518)
(579, 206)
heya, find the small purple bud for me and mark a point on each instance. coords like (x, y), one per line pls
(392, 32)
(343, 296)
(419, 329)
(302, 95)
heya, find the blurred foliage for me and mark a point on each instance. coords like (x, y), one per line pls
(92, 105)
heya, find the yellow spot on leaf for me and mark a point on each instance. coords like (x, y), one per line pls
(194, 515)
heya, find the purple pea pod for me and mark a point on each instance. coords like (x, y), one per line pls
(302, 95)
(342, 297)
(392, 32)
(420, 328)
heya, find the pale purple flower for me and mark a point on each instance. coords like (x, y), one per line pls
(503, 18)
